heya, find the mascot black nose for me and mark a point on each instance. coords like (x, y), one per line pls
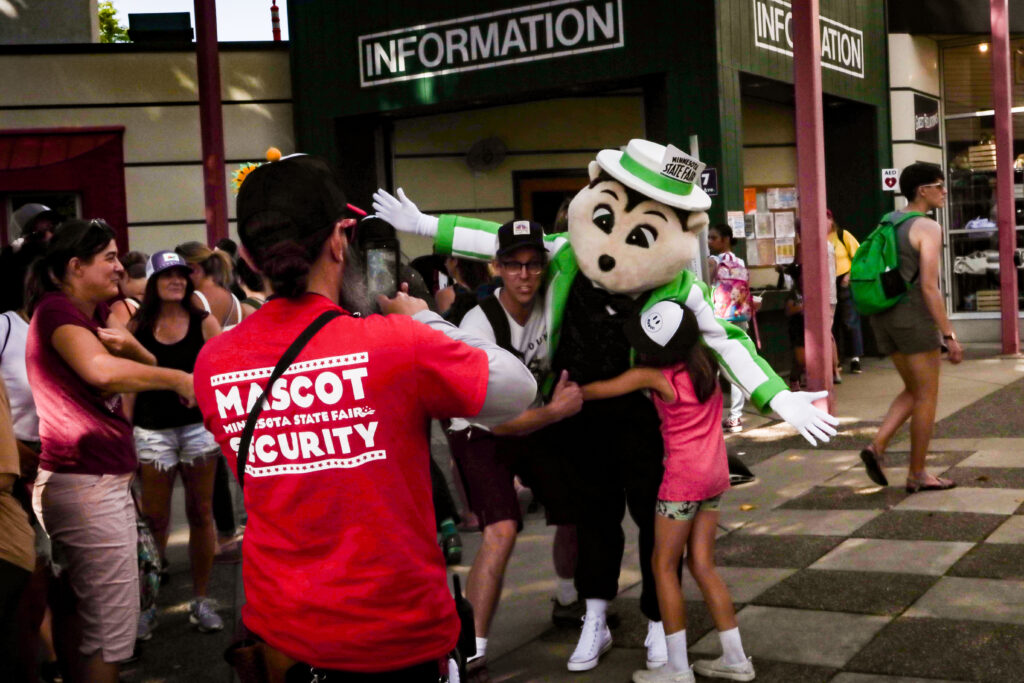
(606, 262)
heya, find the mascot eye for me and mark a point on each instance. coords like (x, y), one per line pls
(604, 218)
(642, 236)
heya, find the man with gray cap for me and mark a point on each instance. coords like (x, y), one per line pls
(36, 222)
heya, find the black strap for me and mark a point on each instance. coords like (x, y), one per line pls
(287, 359)
(495, 313)
(6, 336)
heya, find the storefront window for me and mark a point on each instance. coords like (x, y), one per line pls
(970, 158)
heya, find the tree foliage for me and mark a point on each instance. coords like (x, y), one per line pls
(111, 30)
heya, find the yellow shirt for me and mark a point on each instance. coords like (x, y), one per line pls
(844, 250)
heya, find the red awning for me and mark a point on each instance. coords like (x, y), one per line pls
(24, 149)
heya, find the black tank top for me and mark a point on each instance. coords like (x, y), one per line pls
(163, 409)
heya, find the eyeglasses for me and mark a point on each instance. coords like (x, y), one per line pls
(941, 186)
(530, 267)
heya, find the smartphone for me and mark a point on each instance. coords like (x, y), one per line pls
(381, 270)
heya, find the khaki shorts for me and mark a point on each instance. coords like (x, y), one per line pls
(91, 519)
(906, 328)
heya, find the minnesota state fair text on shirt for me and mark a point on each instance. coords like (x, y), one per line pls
(321, 402)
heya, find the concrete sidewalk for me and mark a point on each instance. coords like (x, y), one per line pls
(834, 579)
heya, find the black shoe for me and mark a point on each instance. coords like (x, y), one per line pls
(736, 479)
(571, 615)
(568, 616)
(873, 465)
(452, 546)
(855, 366)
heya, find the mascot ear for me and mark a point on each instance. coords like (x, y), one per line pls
(697, 221)
(594, 170)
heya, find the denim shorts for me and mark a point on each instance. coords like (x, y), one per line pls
(686, 510)
(165, 449)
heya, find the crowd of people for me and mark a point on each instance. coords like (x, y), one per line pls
(118, 378)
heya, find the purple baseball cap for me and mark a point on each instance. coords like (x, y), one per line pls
(162, 260)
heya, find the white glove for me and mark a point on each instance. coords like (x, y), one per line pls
(401, 213)
(798, 409)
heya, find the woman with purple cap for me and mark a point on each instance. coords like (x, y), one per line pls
(169, 436)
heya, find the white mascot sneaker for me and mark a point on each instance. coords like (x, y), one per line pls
(717, 668)
(595, 640)
(657, 648)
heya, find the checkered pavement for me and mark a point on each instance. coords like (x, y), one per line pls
(838, 580)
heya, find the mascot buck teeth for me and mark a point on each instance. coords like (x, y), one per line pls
(631, 233)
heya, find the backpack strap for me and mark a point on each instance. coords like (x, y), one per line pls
(287, 359)
(6, 336)
(495, 313)
(895, 226)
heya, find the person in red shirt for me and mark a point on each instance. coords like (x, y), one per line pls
(341, 567)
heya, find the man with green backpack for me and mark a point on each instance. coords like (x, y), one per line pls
(894, 279)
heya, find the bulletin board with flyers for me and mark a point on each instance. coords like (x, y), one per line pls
(770, 213)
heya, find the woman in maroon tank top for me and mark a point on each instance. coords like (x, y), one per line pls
(170, 437)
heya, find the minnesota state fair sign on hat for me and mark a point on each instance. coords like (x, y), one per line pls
(665, 174)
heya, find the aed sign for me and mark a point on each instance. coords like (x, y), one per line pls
(842, 46)
(546, 30)
(890, 177)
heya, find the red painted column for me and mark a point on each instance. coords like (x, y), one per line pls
(211, 123)
(810, 161)
(1001, 103)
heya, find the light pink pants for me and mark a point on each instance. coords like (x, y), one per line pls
(91, 518)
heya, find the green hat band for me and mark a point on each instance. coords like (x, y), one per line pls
(664, 183)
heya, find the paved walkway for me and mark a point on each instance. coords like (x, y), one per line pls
(834, 579)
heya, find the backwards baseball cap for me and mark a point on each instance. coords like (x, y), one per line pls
(162, 260)
(287, 200)
(24, 219)
(516, 234)
(664, 333)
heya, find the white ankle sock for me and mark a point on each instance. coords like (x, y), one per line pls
(677, 658)
(597, 607)
(566, 593)
(481, 649)
(732, 646)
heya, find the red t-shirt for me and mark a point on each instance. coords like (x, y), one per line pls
(82, 430)
(341, 564)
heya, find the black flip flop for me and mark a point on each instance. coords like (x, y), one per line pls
(873, 465)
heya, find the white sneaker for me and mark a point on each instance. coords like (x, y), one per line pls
(717, 668)
(657, 648)
(595, 640)
(662, 676)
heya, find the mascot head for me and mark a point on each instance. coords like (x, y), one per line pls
(635, 226)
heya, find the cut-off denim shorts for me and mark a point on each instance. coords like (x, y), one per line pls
(165, 449)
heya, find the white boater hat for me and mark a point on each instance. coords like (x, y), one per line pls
(665, 174)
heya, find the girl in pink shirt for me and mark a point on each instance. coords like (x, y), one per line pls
(682, 378)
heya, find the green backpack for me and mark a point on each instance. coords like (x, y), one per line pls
(875, 281)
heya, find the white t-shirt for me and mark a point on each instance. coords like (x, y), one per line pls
(531, 340)
(15, 375)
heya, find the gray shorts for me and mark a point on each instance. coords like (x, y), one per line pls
(907, 327)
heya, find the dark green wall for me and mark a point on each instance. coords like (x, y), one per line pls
(687, 56)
